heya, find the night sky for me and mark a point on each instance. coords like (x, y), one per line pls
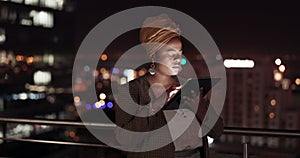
(236, 27)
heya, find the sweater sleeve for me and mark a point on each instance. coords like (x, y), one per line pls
(204, 117)
(129, 97)
(217, 129)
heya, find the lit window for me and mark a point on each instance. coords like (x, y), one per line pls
(42, 18)
(48, 59)
(54, 4)
(2, 57)
(41, 77)
(17, 1)
(26, 22)
(285, 84)
(2, 36)
(237, 63)
(31, 2)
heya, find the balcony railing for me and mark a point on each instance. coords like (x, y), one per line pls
(244, 132)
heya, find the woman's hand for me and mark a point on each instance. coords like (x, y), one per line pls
(197, 103)
(200, 110)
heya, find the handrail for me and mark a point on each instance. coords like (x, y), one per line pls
(227, 130)
(262, 132)
(55, 142)
(56, 122)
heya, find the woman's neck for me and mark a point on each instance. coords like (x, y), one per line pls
(165, 80)
(161, 83)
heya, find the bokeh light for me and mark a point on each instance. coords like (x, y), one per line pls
(102, 96)
(110, 104)
(183, 61)
(271, 115)
(278, 61)
(273, 102)
(281, 68)
(103, 57)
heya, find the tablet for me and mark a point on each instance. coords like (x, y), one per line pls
(191, 84)
(196, 83)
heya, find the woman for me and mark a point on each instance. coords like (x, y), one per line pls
(161, 38)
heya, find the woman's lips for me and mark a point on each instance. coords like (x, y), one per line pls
(176, 67)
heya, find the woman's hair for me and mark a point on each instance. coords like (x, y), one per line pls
(156, 31)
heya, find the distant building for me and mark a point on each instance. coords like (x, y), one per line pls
(255, 100)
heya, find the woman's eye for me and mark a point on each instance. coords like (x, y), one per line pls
(172, 53)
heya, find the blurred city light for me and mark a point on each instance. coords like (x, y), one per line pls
(76, 99)
(31, 2)
(125, 72)
(29, 60)
(271, 115)
(103, 106)
(123, 80)
(72, 134)
(23, 96)
(281, 68)
(86, 68)
(51, 59)
(183, 61)
(256, 108)
(115, 70)
(277, 75)
(1, 135)
(142, 72)
(110, 104)
(103, 57)
(42, 77)
(106, 75)
(210, 140)
(42, 18)
(103, 70)
(48, 59)
(273, 102)
(26, 22)
(285, 84)
(102, 96)
(238, 63)
(17, 1)
(19, 57)
(102, 102)
(88, 106)
(278, 61)
(297, 81)
(96, 73)
(97, 105)
(2, 36)
(130, 75)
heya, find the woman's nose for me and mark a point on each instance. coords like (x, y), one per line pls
(177, 59)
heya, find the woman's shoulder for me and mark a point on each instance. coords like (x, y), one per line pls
(140, 81)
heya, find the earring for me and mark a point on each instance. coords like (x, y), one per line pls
(152, 68)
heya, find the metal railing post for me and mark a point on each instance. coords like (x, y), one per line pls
(245, 146)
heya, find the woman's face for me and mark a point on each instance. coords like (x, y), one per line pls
(169, 58)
